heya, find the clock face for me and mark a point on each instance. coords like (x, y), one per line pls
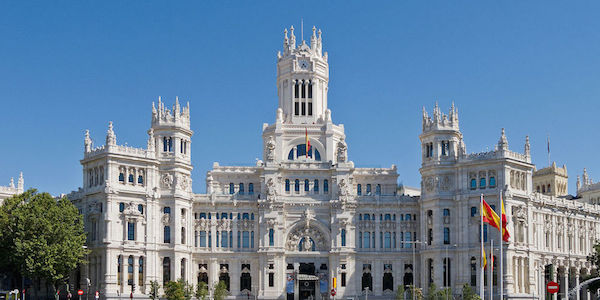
(303, 64)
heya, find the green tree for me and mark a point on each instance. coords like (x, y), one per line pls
(432, 293)
(594, 259)
(41, 236)
(468, 293)
(418, 292)
(154, 287)
(202, 291)
(400, 292)
(220, 291)
(174, 290)
(188, 290)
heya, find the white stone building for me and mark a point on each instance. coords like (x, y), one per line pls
(285, 227)
(11, 189)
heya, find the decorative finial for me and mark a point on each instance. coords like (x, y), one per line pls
(12, 182)
(20, 183)
(527, 147)
(111, 138)
(503, 142)
(87, 142)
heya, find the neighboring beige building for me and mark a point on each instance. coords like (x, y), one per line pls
(552, 180)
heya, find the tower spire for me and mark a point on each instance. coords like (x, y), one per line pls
(302, 29)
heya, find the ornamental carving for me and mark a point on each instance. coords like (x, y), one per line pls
(166, 219)
(94, 208)
(342, 151)
(445, 183)
(167, 180)
(388, 225)
(548, 227)
(309, 235)
(223, 224)
(429, 184)
(184, 182)
(272, 222)
(202, 224)
(366, 224)
(131, 210)
(520, 213)
(270, 149)
(245, 225)
(271, 189)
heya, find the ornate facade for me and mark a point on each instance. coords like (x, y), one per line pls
(285, 227)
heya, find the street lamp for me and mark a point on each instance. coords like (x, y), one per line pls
(87, 278)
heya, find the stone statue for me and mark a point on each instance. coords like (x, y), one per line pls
(270, 149)
(341, 151)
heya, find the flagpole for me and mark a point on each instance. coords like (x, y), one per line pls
(491, 269)
(482, 280)
(501, 250)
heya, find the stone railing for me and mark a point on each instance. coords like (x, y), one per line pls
(496, 154)
(120, 149)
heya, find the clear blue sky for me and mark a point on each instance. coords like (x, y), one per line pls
(66, 66)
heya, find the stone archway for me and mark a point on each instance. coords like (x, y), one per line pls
(308, 235)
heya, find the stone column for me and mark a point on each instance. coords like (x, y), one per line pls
(234, 276)
(136, 273)
(124, 266)
(566, 282)
(576, 284)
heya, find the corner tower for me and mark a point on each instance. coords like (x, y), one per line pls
(302, 79)
(441, 139)
(170, 137)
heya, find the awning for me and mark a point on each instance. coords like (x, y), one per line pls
(307, 277)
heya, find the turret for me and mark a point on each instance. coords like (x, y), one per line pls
(170, 134)
(302, 80)
(441, 138)
(503, 142)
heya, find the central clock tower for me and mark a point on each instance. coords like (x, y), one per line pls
(302, 79)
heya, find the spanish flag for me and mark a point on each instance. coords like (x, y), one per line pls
(307, 141)
(505, 234)
(483, 259)
(489, 215)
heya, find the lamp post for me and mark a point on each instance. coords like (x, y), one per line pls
(87, 276)
(366, 293)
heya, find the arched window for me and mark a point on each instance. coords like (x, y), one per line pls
(369, 189)
(359, 189)
(231, 188)
(121, 206)
(252, 216)
(141, 208)
(301, 245)
(388, 279)
(407, 218)
(343, 237)
(367, 281)
(287, 185)
(378, 189)
(250, 189)
(241, 191)
(306, 185)
(165, 144)
(167, 210)
(183, 264)
(130, 178)
(325, 186)
(387, 217)
(166, 270)
(316, 186)
(140, 179)
(183, 235)
(271, 237)
(296, 185)
(548, 189)
(301, 152)
(121, 177)
(446, 212)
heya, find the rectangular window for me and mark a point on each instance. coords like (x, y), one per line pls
(473, 183)
(310, 108)
(343, 237)
(343, 279)
(446, 235)
(296, 108)
(303, 109)
(246, 239)
(368, 189)
(430, 236)
(473, 211)
(130, 231)
(202, 238)
(358, 189)
(271, 237)
(167, 235)
(325, 186)
(271, 279)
